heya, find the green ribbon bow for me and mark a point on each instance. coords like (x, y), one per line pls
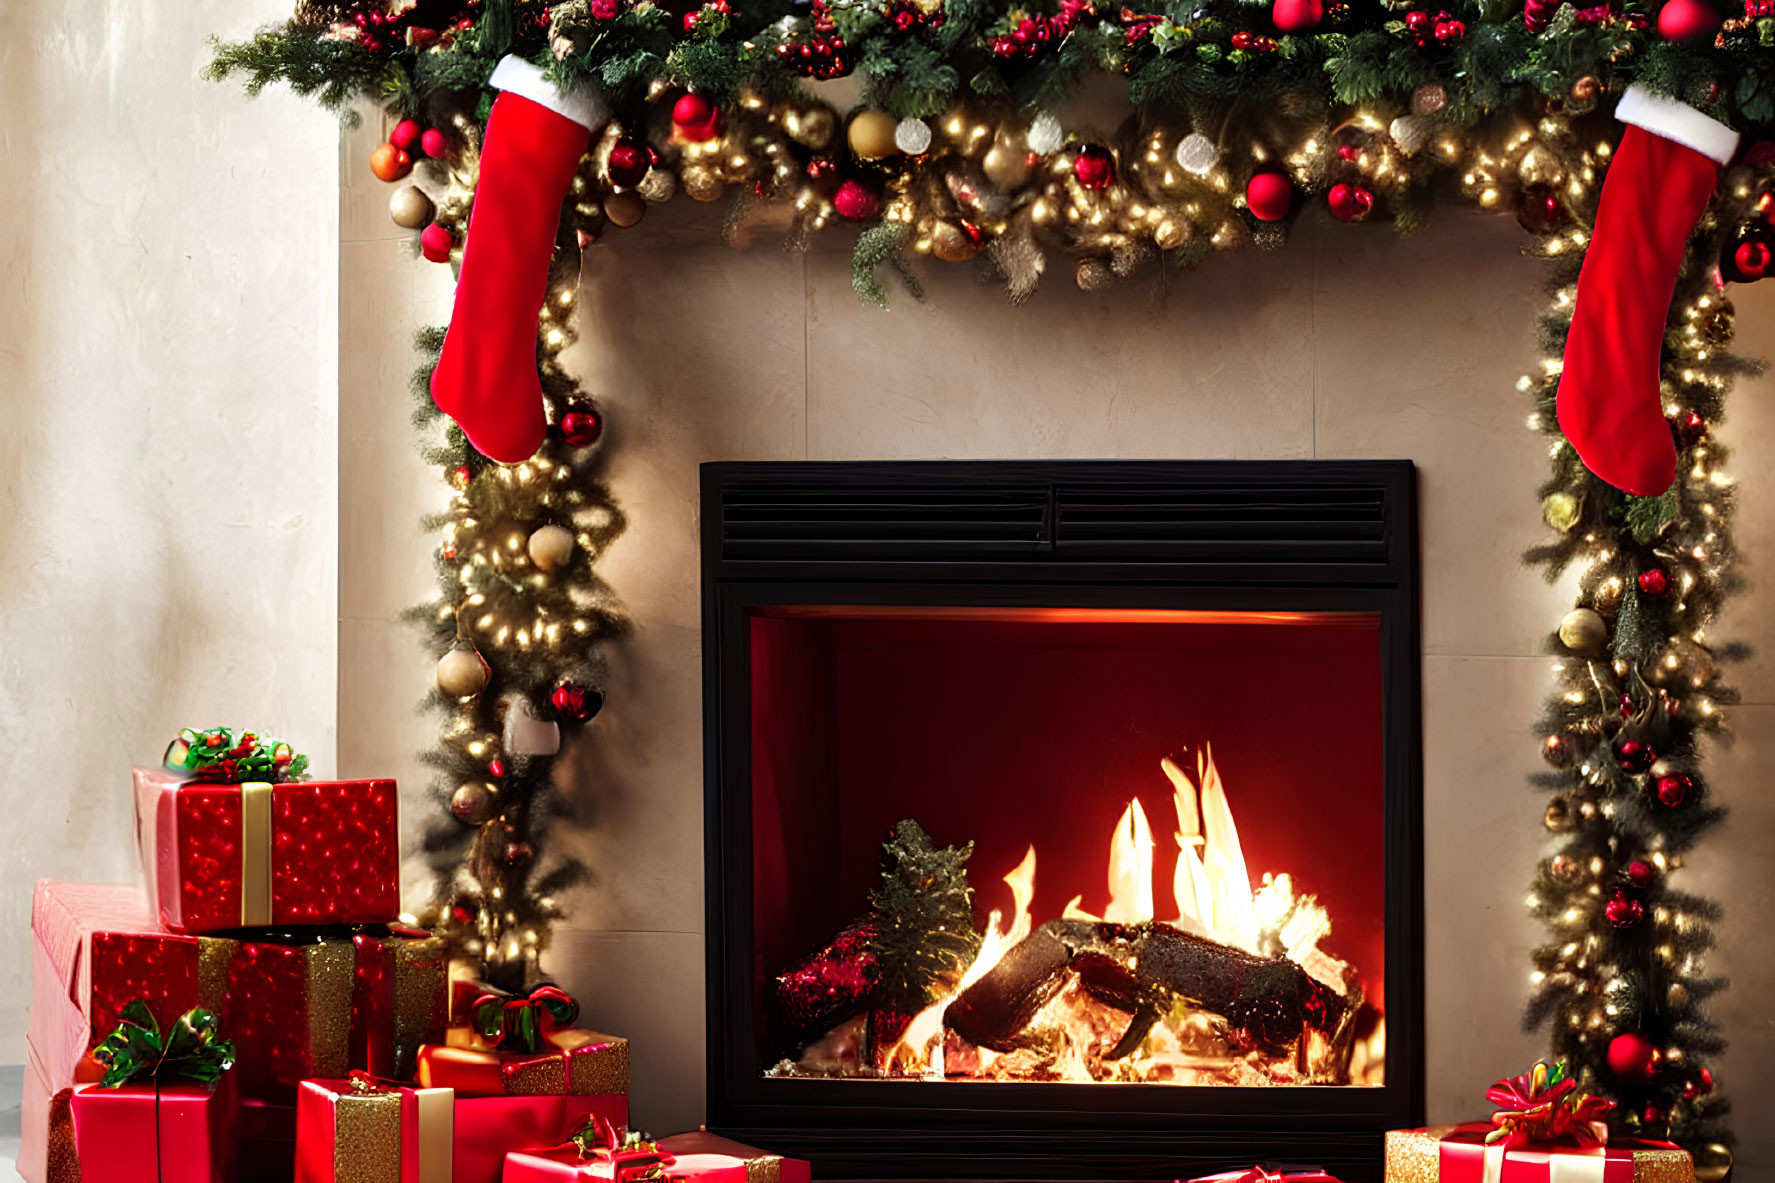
(139, 1050)
(214, 755)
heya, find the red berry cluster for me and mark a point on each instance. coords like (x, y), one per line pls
(823, 54)
(1253, 42)
(695, 15)
(906, 16)
(1756, 10)
(1443, 27)
(379, 30)
(1031, 34)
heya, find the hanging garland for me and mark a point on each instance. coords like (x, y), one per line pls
(955, 142)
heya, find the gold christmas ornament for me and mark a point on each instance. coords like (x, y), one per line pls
(1607, 599)
(1006, 164)
(1560, 510)
(1713, 1163)
(953, 244)
(1585, 89)
(625, 209)
(812, 127)
(410, 208)
(1584, 632)
(1558, 816)
(1677, 996)
(871, 134)
(1427, 100)
(1094, 275)
(550, 547)
(1171, 234)
(658, 185)
(472, 802)
(702, 183)
(462, 673)
(1411, 132)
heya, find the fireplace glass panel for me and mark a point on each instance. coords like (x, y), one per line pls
(1177, 833)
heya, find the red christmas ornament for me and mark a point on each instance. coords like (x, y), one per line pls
(406, 135)
(1633, 1057)
(1253, 42)
(1297, 16)
(1687, 20)
(628, 163)
(856, 201)
(1640, 873)
(1094, 167)
(1623, 911)
(390, 163)
(1268, 196)
(1675, 790)
(1419, 25)
(1348, 152)
(581, 429)
(576, 703)
(1350, 203)
(1634, 756)
(1448, 29)
(434, 143)
(1753, 260)
(695, 117)
(1653, 581)
(436, 243)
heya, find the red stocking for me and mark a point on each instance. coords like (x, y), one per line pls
(1655, 192)
(486, 379)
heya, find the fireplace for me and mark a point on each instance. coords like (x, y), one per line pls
(1063, 818)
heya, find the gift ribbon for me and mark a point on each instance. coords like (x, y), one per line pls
(633, 1161)
(522, 1022)
(371, 1118)
(1465, 1157)
(255, 854)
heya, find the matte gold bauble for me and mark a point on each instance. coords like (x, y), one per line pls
(1006, 165)
(550, 547)
(1677, 996)
(813, 127)
(462, 673)
(1094, 275)
(1584, 632)
(702, 183)
(1170, 234)
(1558, 816)
(410, 208)
(953, 243)
(1560, 510)
(625, 209)
(871, 134)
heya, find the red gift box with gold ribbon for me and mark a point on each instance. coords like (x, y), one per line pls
(701, 1157)
(254, 855)
(366, 1130)
(296, 1005)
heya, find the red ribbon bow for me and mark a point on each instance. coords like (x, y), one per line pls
(1544, 1105)
(522, 1022)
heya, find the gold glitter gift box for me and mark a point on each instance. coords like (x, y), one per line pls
(1458, 1154)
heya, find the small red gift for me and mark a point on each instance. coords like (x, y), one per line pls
(231, 842)
(1269, 1173)
(368, 1130)
(703, 1157)
(165, 1110)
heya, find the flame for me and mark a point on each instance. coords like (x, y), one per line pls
(1213, 896)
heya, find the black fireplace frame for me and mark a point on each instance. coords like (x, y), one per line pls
(1307, 535)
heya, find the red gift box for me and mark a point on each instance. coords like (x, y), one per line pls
(370, 1131)
(166, 1132)
(295, 1006)
(702, 1157)
(226, 856)
(577, 1062)
(1459, 1154)
(489, 1129)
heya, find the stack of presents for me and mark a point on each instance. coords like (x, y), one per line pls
(260, 1013)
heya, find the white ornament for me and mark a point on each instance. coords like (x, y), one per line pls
(1045, 135)
(912, 136)
(1410, 132)
(1196, 153)
(528, 734)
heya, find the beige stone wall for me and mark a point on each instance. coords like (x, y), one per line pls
(168, 441)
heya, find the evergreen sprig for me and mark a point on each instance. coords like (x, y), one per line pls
(925, 912)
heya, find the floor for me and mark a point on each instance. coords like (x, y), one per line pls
(12, 1084)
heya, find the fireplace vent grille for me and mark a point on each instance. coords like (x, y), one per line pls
(1211, 523)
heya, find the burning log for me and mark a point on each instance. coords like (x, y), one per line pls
(1143, 969)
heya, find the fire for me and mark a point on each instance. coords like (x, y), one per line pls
(1212, 897)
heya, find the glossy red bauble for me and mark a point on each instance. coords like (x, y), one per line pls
(1634, 756)
(1674, 790)
(406, 135)
(1687, 20)
(1351, 203)
(581, 428)
(1633, 1057)
(1268, 196)
(1623, 911)
(628, 163)
(1640, 873)
(576, 703)
(856, 201)
(1297, 16)
(1653, 581)
(1754, 259)
(390, 163)
(434, 143)
(695, 117)
(1449, 29)
(1094, 167)
(436, 243)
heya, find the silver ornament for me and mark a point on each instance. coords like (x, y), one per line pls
(912, 136)
(1410, 132)
(1196, 153)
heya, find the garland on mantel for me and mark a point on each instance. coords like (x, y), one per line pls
(957, 141)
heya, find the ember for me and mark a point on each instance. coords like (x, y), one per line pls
(1231, 987)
